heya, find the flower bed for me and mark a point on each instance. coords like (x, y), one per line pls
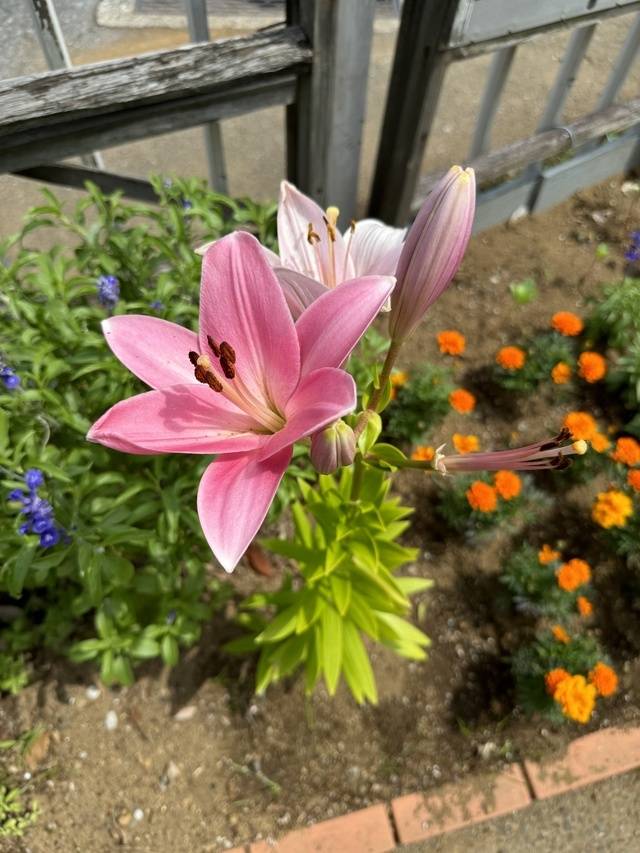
(433, 719)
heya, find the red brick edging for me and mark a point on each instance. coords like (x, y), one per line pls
(416, 817)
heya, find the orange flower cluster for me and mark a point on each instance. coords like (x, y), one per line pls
(591, 366)
(633, 479)
(553, 678)
(585, 607)
(560, 634)
(561, 373)
(604, 679)
(465, 443)
(482, 497)
(573, 574)
(627, 451)
(508, 485)
(576, 697)
(600, 442)
(567, 323)
(462, 401)
(547, 555)
(451, 342)
(511, 358)
(581, 425)
(423, 453)
(398, 378)
(612, 509)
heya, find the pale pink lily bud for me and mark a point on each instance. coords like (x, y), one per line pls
(552, 453)
(333, 447)
(433, 250)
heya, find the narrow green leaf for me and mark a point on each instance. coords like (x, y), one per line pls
(331, 647)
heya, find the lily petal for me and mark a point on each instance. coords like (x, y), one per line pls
(242, 303)
(234, 497)
(375, 247)
(153, 349)
(181, 419)
(296, 212)
(272, 258)
(321, 398)
(299, 290)
(331, 327)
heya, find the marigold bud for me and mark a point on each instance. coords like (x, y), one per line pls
(333, 447)
(433, 250)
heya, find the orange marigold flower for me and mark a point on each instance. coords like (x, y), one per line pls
(399, 378)
(508, 485)
(573, 574)
(561, 373)
(627, 451)
(554, 677)
(585, 607)
(423, 453)
(547, 555)
(465, 443)
(581, 425)
(600, 442)
(612, 509)
(462, 401)
(560, 634)
(511, 358)
(451, 342)
(482, 496)
(604, 679)
(567, 323)
(633, 479)
(591, 366)
(576, 698)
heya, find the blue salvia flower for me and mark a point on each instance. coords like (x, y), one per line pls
(633, 252)
(34, 478)
(108, 288)
(39, 515)
(156, 305)
(9, 377)
(186, 204)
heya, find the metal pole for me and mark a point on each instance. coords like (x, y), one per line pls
(55, 51)
(199, 32)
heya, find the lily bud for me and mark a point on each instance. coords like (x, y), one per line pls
(433, 250)
(333, 447)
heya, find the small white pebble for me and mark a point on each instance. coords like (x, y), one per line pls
(92, 692)
(27, 776)
(111, 721)
(185, 713)
(138, 814)
(83, 754)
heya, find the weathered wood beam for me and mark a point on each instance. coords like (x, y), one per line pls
(36, 146)
(76, 176)
(56, 97)
(512, 158)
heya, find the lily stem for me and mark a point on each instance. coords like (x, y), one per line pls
(390, 358)
(358, 475)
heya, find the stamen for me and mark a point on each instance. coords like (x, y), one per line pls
(213, 382)
(312, 236)
(562, 438)
(228, 352)
(193, 357)
(331, 229)
(201, 374)
(205, 362)
(227, 368)
(215, 349)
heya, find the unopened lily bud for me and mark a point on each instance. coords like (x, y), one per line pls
(333, 447)
(433, 250)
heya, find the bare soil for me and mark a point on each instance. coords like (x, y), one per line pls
(210, 766)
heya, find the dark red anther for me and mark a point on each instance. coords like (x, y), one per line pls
(215, 349)
(193, 357)
(228, 369)
(228, 352)
(213, 382)
(200, 373)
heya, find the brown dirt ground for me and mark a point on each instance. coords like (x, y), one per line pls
(244, 768)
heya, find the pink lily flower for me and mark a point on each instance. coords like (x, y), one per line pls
(316, 257)
(551, 453)
(248, 386)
